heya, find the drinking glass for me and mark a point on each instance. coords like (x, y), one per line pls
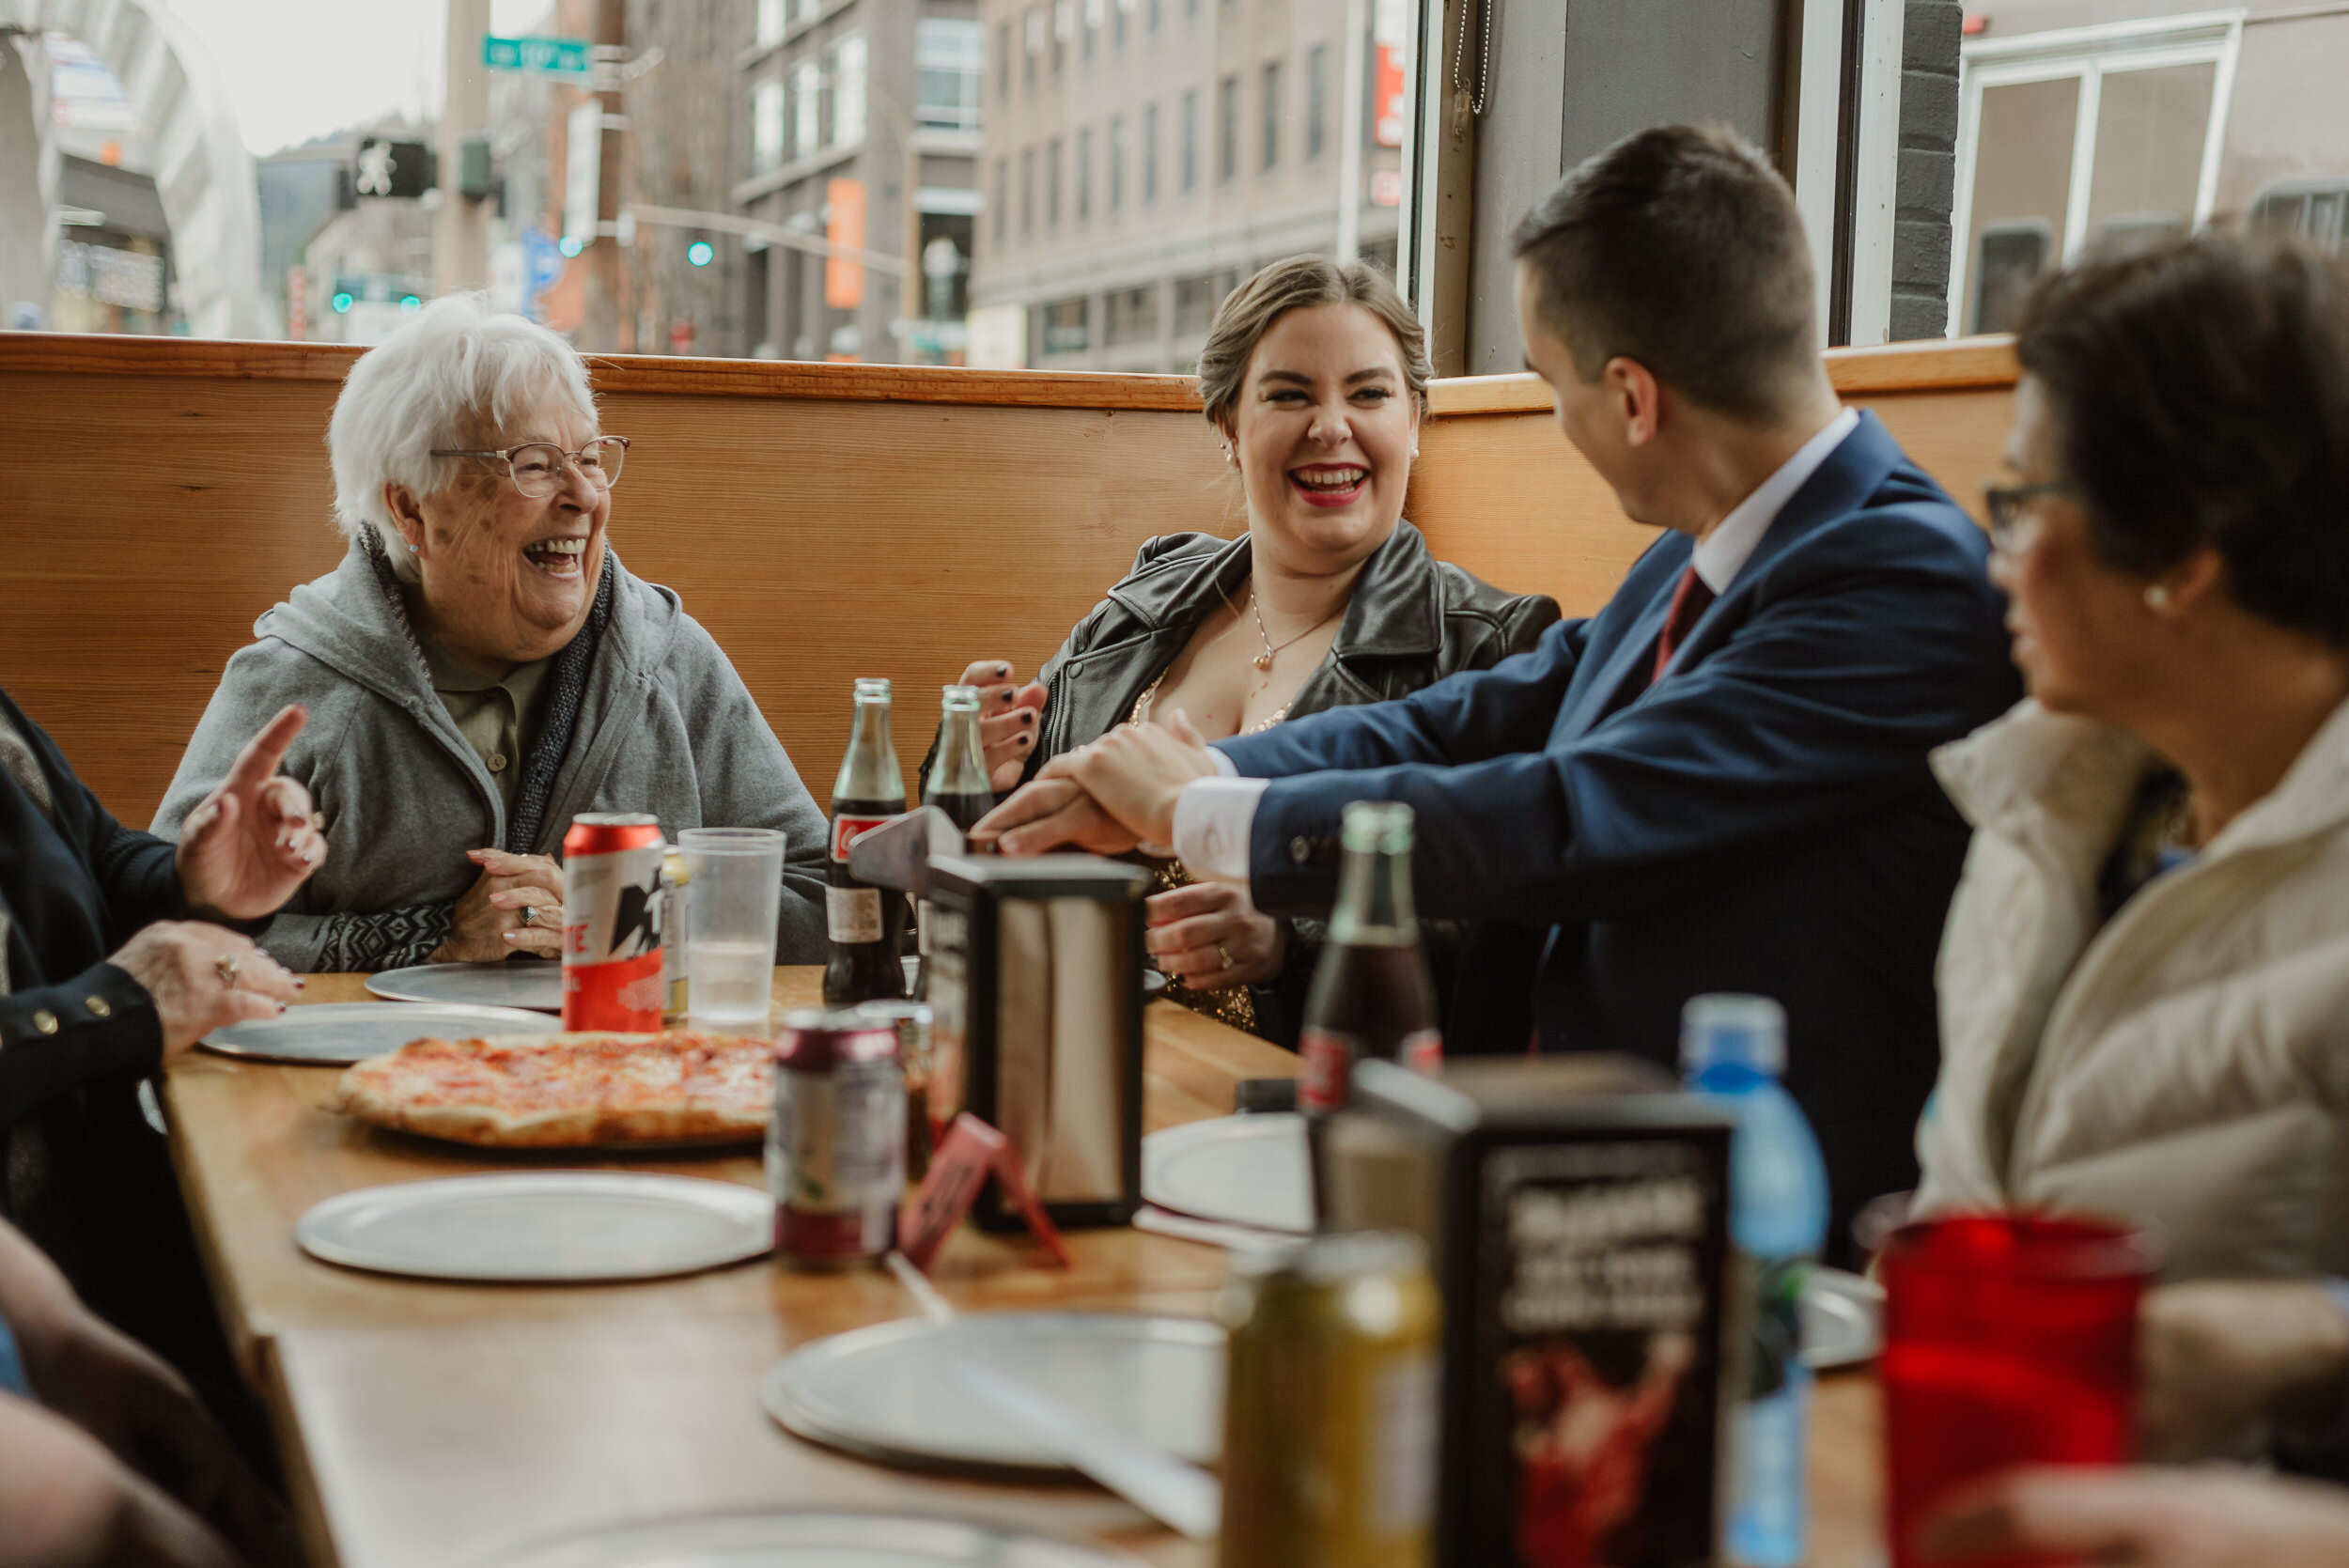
(734, 888)
(2008, 1339)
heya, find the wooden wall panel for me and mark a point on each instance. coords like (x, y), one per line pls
(824, 521)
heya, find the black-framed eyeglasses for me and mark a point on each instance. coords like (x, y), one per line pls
(536, 467)
(2009, 506)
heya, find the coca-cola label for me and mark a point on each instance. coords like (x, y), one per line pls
(1325, 1071)
(1423, 1052)
(846, 829)
(612, 918)
(853, 914)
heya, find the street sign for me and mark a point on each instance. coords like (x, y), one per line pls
(565, 57)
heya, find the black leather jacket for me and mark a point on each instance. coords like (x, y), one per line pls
(1412, 621)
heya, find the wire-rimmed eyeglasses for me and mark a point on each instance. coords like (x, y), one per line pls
(2009, 508)
(536, 467)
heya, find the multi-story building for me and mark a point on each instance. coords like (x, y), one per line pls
(1143, 156)
(863, 133)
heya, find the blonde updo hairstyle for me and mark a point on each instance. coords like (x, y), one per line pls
(1298, 283)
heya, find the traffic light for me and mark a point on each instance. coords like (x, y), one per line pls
(342, 303)
(699, 253)
(570, 245)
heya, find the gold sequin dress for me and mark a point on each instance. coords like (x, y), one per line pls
(1231, 1004)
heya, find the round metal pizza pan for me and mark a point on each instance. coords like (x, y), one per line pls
(887, 1392)
(336, 1033)
(1153, 982)
(1234, 1169)
(536, 984)
(806, 1540)
(551, 1227)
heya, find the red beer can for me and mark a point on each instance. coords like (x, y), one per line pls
(835, 1148)
(612, 923)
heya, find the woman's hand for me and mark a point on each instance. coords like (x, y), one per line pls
(514, 905)
(1107, 797)
(249, 844)
(2217, 1358)
(1009, 718)
(203, 978)
(1210, 936)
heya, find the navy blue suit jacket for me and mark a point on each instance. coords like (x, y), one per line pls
(1762, 819)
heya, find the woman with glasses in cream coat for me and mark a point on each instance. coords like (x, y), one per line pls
(481, 669)
(2144, 984)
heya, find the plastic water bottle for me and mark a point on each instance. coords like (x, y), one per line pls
(1733, 1048)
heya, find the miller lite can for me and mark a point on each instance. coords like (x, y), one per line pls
(836, 1147)
(612, 949)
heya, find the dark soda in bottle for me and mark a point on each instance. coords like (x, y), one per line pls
(956, 786)
(1372, 995)
(866, 923)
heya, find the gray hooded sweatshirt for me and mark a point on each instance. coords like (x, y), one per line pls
(664, 726)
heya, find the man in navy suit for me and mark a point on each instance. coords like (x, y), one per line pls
(1717, 783)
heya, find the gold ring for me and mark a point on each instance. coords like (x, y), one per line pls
(227, 967)
(1222, 957)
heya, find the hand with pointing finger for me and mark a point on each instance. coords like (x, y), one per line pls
(248, 845)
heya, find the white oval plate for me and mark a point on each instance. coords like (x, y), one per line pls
(536, 984)
(336, 1033)
(1842, 1319)
(544, 1227)
(808, 1540)
(1234, 1169)
(887, 1392)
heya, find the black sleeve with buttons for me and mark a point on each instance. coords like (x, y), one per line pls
(74, 886)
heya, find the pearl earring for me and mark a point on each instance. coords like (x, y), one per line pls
(415, 550)
(2157, 598)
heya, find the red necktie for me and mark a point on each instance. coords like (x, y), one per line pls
(1689, 601)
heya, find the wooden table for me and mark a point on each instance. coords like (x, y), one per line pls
(427, 1423)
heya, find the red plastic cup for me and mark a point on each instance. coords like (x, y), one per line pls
(2007, 1341)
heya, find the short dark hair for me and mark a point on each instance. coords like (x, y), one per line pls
(2200, 394)
(1679, 247)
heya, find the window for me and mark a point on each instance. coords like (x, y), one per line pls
(1317, 99)
(1065, 327)
(949, 62)
(1064, 29)
(1036, 45)
(1003, 61)
(1227, 125)
(847, 91)
(1051, 183)
(1117, 164)
(1190, 141)
(1095, 16)
(1027, 192)
(1150, 155)
(1272, 116)
(807, 106)
(1085, 174)
(765, 126)
(1118, 22)
(771, 21)
(1133, 315)
(2316, 210)
(1150, 17)
(2101, 137)
(1002, 197)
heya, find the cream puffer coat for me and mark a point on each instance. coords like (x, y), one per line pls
(2185, 1065)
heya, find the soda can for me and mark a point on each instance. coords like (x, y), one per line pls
(612, 923)
(676, 894)
(836, 1147)
(1330, 1412)
(912, 1021)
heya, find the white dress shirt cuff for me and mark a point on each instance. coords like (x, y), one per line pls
(1212, 821)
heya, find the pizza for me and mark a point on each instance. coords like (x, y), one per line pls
(569, 1091)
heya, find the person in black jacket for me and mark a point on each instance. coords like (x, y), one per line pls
(1315, 375)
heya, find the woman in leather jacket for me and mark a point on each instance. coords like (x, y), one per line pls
(1315, 374)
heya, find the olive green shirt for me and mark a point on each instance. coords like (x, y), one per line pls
(498, 719)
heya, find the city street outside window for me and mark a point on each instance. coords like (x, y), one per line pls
(950, 62)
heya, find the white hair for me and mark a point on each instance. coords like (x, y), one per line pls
(457, 369)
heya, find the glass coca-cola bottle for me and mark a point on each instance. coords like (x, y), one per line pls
(1372, 995)
(957, 786)
(866, 923)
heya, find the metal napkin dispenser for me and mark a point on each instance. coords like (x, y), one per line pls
(1035, 996)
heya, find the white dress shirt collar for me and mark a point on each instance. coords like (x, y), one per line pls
(1722, 554)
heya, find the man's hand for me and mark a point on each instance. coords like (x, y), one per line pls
(2143, 1518)
(203, 978)
(1125, 786)
(515, 906)
(2217, 1358)
(248, 845)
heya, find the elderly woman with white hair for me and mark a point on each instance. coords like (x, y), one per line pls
(480, 668)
